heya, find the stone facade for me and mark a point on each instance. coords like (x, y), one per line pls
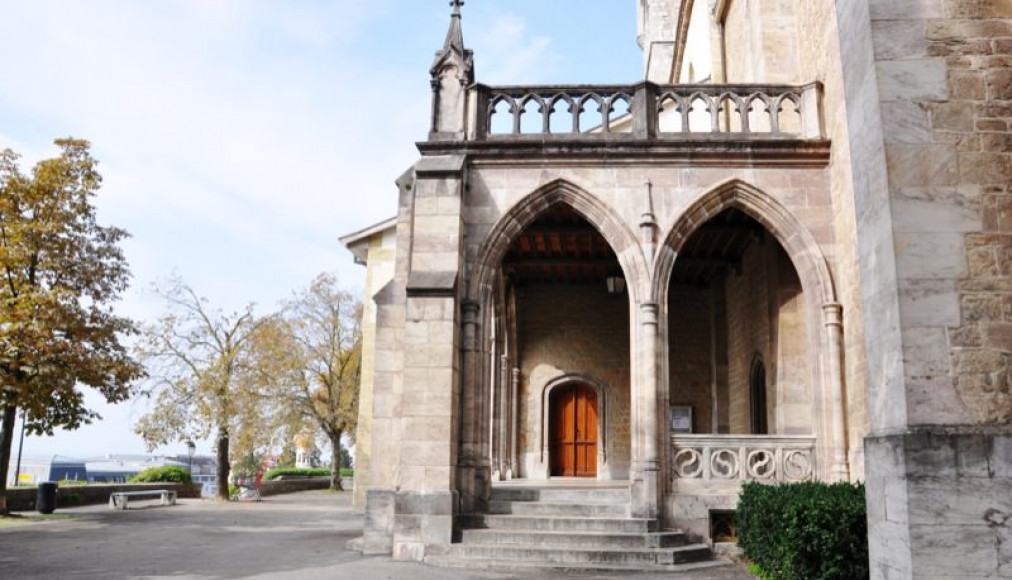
(819, 269)
(375, 248)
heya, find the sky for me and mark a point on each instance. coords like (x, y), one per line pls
(238, 139)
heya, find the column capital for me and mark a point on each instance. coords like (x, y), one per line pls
(832, 314)
(649, 311)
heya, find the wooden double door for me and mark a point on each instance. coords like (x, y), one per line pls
(573, 428)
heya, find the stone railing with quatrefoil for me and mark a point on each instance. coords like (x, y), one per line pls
(646, 112)
(728, 460)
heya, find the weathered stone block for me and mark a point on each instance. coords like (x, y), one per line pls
(899, 39)
(985, 168)
(978, 307)
(978, 8)
(968, 85)
(1000, 459)
(954, 29)
(921, 165)
(996, 142)
(952, 550)
(912, 80)
(929, 303)
(906, 122)
(905, 9)
(379, 521)
(993, 125)
(952, 116)
(922, 255)
(998, 335)
(999, 85)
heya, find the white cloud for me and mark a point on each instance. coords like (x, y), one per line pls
(238, 139)
(511, 55)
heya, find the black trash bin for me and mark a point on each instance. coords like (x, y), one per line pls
(45, 502)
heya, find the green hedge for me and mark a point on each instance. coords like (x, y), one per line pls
(804, 531)
(296, 472)
(169, 473)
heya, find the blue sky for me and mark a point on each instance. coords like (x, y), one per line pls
(240, 138)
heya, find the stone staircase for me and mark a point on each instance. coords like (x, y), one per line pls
(577, 527)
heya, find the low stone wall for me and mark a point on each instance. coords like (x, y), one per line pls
(23, 498)
(294, 484)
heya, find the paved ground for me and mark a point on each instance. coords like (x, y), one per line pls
(294, 536)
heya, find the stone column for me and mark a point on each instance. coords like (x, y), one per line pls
(426, 476)
(832, 316)
(472, 476)
(514, 389)
(646, 479)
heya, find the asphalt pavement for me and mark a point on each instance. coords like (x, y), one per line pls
(299, 536)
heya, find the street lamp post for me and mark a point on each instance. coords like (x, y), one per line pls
(191, 450)
(21, 445)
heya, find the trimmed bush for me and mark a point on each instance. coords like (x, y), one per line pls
(347, 472)
(296, 472)
(169, 473)
(805, 531)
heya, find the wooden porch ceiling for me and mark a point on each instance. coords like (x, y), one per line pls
(716, 247)
(562, 247)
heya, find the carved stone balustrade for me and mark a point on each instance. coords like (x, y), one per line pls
(727, 460)
(646, 112)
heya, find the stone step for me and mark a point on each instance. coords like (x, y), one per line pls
(557, 555)
(557, 524)
(562, 494)
(586, 540)
(536, 569)
(563, 509)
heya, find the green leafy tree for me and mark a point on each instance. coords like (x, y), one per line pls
(60, 273)
(318, 348)
(205, 376)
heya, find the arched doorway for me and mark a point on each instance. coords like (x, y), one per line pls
(558, 304)
(573, 429)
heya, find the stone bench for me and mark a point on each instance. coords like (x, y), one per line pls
(121, 499)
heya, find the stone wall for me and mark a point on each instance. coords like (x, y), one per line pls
(23, 498)
(576, 329)
(379, 272)
(749, 336)
(819, 59)
(761, 42)
(927, 90)
(284, 485)
(690, 313)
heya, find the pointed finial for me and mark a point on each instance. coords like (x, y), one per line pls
(456, 4)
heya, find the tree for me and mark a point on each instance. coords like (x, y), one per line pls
(320, 334)
(205, 376)
(61, 272)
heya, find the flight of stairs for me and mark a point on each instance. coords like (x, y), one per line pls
(572, 528)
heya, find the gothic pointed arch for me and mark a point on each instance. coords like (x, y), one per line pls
(603, 218)
(795, 238)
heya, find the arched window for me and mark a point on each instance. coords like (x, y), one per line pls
(757, 395)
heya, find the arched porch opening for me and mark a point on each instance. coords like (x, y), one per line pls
(560, 310)
(501, 294)
(761, 276)
(738, 334)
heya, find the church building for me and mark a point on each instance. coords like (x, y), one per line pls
(786, 255)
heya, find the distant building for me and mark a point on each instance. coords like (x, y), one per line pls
(204, 471)
(55, 468)
(120, 468)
